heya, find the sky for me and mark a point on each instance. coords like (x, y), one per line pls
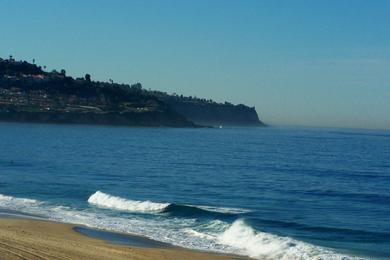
(310, 63)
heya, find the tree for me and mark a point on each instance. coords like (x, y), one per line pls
(88, 78)
(136, 86)
(63, 72)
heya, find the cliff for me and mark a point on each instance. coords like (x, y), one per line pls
(210, 113)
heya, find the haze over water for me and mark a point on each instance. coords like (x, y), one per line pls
(263, 192)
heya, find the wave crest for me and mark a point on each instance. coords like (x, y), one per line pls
(104, 200)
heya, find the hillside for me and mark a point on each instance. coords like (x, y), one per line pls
(30, 94)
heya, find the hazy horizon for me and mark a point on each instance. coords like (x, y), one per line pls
(299, 63)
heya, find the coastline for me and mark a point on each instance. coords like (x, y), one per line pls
(29, 238)
(147, 119)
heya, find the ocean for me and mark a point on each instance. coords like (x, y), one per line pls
(267, 193)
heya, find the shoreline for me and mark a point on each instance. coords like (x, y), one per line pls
(29, 237)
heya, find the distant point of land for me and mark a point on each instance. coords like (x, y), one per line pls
(28, 93)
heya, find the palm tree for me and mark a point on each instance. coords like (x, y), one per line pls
(88, 77)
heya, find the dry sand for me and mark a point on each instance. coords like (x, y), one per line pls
(34, 239)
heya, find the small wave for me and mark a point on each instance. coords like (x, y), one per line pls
(364, 197)
(19, 207)
(331, 233)
(112, 202)
(263, 245)
(368, 134)
(6, 201)
(223, 210)
(177, 210)
(12, 163)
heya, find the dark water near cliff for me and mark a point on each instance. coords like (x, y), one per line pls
(292, 193)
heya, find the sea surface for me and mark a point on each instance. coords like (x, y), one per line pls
(268, 193)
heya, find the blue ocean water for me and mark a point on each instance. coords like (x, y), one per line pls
(268, 193)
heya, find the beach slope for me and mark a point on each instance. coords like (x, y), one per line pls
(34, 239)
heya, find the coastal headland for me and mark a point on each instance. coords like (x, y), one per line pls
(28, 93)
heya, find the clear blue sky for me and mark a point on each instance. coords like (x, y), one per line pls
(324, 63)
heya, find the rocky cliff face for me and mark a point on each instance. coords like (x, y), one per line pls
(215, 114)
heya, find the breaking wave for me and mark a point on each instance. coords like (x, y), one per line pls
(113, 202)
(235, 237)
(261, 245)
(105, 200)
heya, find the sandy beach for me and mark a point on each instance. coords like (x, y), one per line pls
(36, 239)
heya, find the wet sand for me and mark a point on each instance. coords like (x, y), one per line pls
(37, 239)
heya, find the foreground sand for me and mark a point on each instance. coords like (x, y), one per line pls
(33, 239)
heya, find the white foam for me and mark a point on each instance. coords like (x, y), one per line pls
(12, 202)
(263, 245)
(223, 209)
(215, 235)
(195, 233)
(112, 202)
